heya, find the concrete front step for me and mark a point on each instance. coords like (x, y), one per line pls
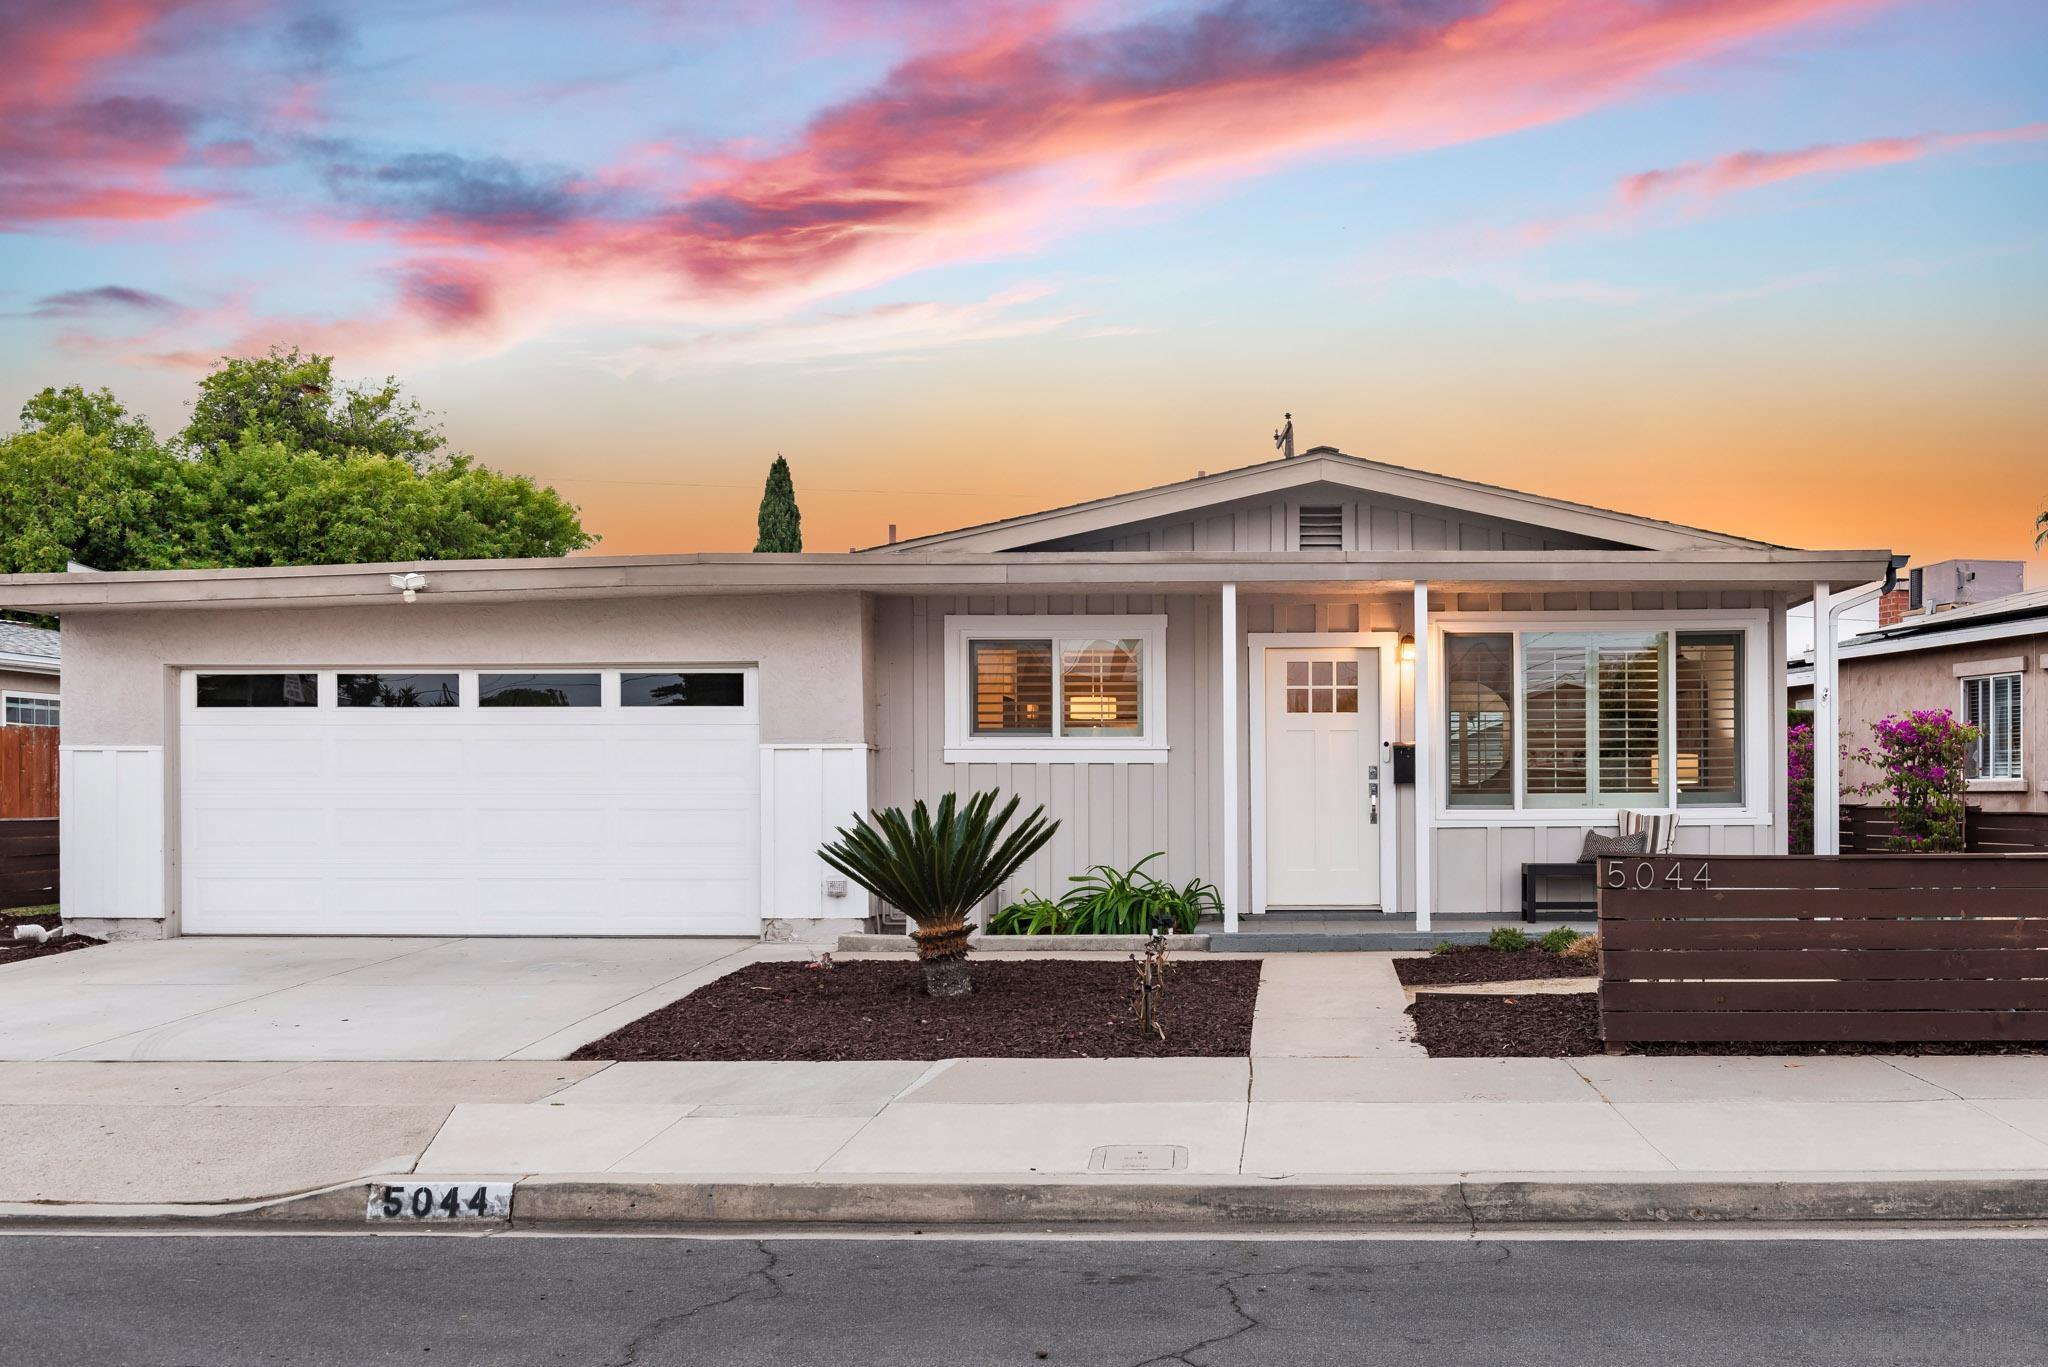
(1339, 941)
(1032, 944)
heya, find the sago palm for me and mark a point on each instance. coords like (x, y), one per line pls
(936, 868)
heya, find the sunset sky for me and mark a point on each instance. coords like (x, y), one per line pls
(1776, 267)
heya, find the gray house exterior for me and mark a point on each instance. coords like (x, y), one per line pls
(1227, 670)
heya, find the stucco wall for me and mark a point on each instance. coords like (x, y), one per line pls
(810, 648)
(1877, 686)
(20, 681)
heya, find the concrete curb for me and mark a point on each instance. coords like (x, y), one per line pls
(1081, 1204)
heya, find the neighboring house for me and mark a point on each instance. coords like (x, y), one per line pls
(30, 665)
(1986, 661)
(1229, 669)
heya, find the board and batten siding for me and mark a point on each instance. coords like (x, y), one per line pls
(1108, 813)
(1118, 813)
(1269, 524)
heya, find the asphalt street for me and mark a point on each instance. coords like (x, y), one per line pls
(501, 1300)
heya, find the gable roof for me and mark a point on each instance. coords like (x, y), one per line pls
(1324, 465)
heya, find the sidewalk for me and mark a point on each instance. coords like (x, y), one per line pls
(1389, 1137)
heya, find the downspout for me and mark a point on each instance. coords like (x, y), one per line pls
(1827, 725)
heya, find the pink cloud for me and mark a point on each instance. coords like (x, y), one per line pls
(1034, 129)
(1741, 171)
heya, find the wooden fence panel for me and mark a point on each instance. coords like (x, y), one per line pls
(28, 771)
(1865, 830)
(1757, 948)
(28, 862)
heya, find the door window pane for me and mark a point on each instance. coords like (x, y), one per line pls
(1707, 745)
(1479, 732)
(699, 688)
(258, 690)
(396, 690)
(1010, 687)
(538, 690)
(1099, 688)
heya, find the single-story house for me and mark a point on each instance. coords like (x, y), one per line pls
(1985, 661)
(31, 666)
(1317, 681)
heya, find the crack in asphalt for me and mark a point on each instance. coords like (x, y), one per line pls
(769, 1290)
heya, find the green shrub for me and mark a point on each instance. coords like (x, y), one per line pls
(1557, 940)
(1445, 947)
(1507, 937)
(1110, 901)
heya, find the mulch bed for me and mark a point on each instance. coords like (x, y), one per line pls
(1478, 964)
(877, 1009)
(13, 950)
(1567, 1025)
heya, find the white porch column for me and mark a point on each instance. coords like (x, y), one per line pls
(1425, 764)
(1827, 754)
(1232, 862)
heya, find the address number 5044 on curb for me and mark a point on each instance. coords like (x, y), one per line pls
(1644, 876)
(441, 1201)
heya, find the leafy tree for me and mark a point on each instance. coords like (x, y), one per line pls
(290, 398)
(85, 481)
(98, 414)
(781, 525)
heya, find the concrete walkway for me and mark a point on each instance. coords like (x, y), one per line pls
(191, 1132)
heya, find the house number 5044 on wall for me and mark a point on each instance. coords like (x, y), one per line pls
(1644, 876)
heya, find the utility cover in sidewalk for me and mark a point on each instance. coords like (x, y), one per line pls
(1139, 1158)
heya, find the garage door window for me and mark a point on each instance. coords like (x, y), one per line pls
(258, 690)
(538, 690)
(397, 690)
(706, 688)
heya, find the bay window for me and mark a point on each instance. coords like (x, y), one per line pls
(1053, 689)
(1623, 717)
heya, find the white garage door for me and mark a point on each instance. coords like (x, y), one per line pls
(556, 801)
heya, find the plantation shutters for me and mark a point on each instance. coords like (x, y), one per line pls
(1992, 705)
(1012, 688)
(1099, 688)
(1707, 748)
(1594, 718)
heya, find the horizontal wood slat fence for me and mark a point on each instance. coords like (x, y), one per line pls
(1809, 948)
(1865, 829)
(28, 771)
(28, 862)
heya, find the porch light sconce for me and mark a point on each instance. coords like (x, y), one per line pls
(409, 584)
(1407, 650)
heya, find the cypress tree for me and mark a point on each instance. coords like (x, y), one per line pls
(781, 525)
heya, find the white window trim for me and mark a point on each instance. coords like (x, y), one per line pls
(2016, 781)
(963, 747)
(11, 694)
(1756, 706)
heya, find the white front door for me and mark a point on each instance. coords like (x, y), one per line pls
(1322, 740)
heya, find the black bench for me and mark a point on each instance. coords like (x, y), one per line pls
(1537, 908)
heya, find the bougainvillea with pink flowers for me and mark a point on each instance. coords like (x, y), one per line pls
(1921, 759)
(1799, 772)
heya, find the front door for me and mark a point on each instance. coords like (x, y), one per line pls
(1322, 741)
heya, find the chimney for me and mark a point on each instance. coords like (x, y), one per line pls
(1891, 609)
(892, 533)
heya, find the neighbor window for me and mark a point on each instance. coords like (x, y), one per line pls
(257, 690)
(1615, 718)
(1062, 683)
(722, 688)
(396, 690)
(538, 690)
(27, 709)
(1992, 705)
(1479, 735)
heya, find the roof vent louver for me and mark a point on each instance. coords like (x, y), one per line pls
(1321, 529)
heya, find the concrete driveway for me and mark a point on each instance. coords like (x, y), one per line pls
(306, 999)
